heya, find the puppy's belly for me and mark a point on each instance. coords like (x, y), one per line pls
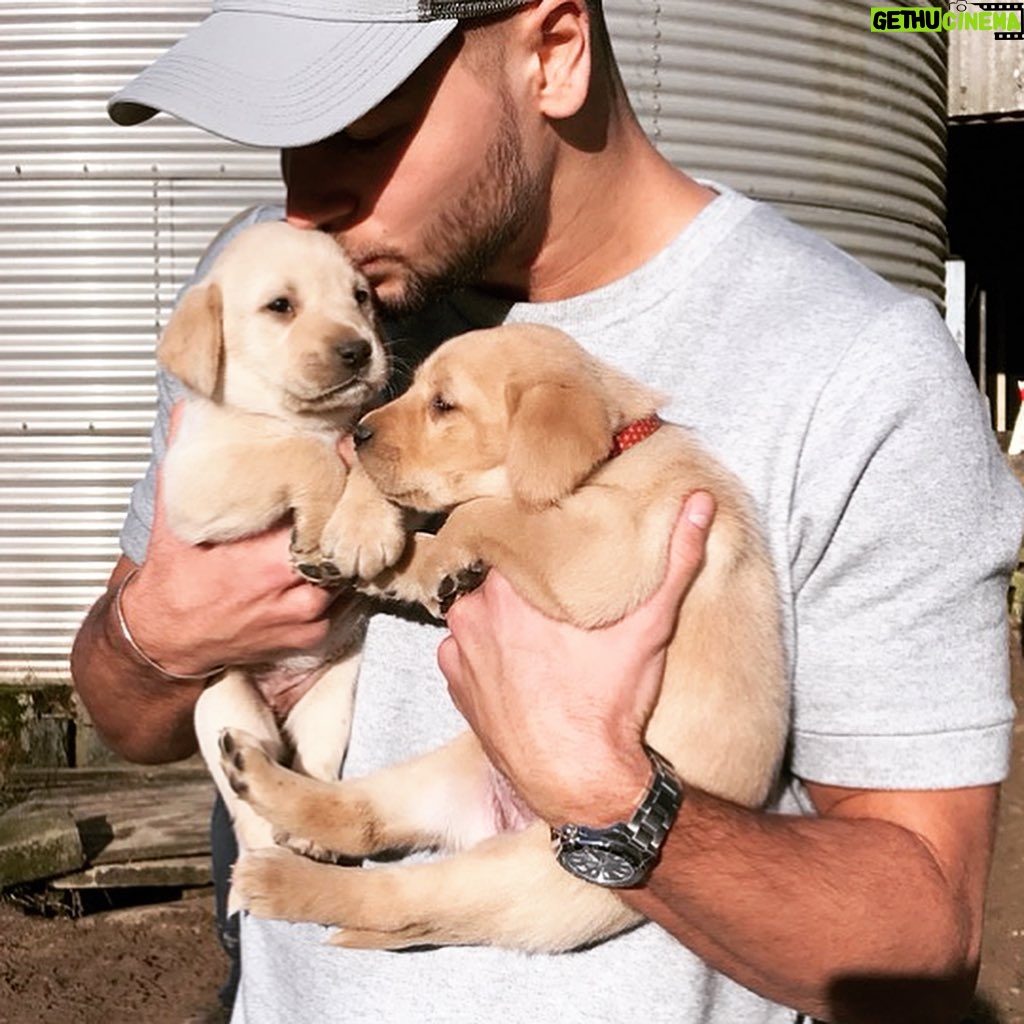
(276, 680)
(509, 812)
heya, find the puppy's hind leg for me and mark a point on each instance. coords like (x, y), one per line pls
(320, 723)
(318, 728)
(507, 891)
(442, 799)
(231, 701)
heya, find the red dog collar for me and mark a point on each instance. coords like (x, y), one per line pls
(633, 434)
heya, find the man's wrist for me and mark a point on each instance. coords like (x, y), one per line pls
(607, 789)
(130, 644)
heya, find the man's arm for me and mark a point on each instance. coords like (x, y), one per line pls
(870, 912)
(142, 714)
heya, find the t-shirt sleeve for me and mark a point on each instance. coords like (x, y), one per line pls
(137, 523)
(906, 524)
(135, 529)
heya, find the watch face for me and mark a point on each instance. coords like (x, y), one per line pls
(621, 855)
(602, 867)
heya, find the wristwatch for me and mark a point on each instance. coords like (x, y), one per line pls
(622, 855)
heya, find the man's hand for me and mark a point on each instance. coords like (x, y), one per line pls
(192, 609)
(562, 710)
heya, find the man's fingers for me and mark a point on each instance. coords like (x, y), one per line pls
(686, 549)
(699, 509)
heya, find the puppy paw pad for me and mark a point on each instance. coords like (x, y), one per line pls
(464, 581)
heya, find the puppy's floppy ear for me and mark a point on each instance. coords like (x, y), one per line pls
(558, 433)
(192, 344)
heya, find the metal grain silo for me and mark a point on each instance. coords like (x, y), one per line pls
(801, 104)
(796, 102)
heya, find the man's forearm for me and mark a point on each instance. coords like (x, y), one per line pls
(143, 715)
(851, 920)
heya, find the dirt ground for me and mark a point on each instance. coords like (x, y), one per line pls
(162, 965)
(159, 964)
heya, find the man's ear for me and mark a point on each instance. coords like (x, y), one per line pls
(562, 31)
(558, 433)
(192, 344)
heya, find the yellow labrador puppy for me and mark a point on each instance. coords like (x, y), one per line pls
(280, 350)
(556, 470)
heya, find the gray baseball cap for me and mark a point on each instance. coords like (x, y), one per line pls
(285, 73)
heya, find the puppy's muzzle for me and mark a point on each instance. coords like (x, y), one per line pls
(354, 354)
(361, 434)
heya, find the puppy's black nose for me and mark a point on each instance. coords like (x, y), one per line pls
(361, 434)
(355, 353)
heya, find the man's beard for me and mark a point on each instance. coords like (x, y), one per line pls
(466, 238)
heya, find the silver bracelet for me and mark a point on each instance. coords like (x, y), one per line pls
(133, 644)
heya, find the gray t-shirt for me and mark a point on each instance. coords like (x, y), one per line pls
(848, 412)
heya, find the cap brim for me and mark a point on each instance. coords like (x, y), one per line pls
(264, 80)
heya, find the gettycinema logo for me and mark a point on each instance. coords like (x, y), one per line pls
(1004, 20)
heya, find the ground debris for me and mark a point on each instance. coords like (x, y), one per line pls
(113, 827)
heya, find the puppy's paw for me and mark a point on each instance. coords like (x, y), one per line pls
(308, 848)
(304, 815)
(318, 569)
(276, 884)
(363, 548)
(245, 763)
(308, 560)
(458, 582)
(284, 886)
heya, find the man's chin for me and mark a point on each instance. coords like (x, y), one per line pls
(395, 303)
(401, 295)
(402, 290)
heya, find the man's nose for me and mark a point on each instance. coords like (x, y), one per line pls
(320, 192)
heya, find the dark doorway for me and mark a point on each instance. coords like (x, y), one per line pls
(986, 229)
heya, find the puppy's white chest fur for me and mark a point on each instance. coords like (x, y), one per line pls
(231, 474)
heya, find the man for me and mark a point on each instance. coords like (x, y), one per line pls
(508, 160)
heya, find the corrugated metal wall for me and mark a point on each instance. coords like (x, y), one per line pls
(100, 228)
(794, 102)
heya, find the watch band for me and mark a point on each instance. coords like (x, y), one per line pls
(622, 855)
(660, 806)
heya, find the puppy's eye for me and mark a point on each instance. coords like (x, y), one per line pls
(440, 404)
(280, 305)
(362, 296)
